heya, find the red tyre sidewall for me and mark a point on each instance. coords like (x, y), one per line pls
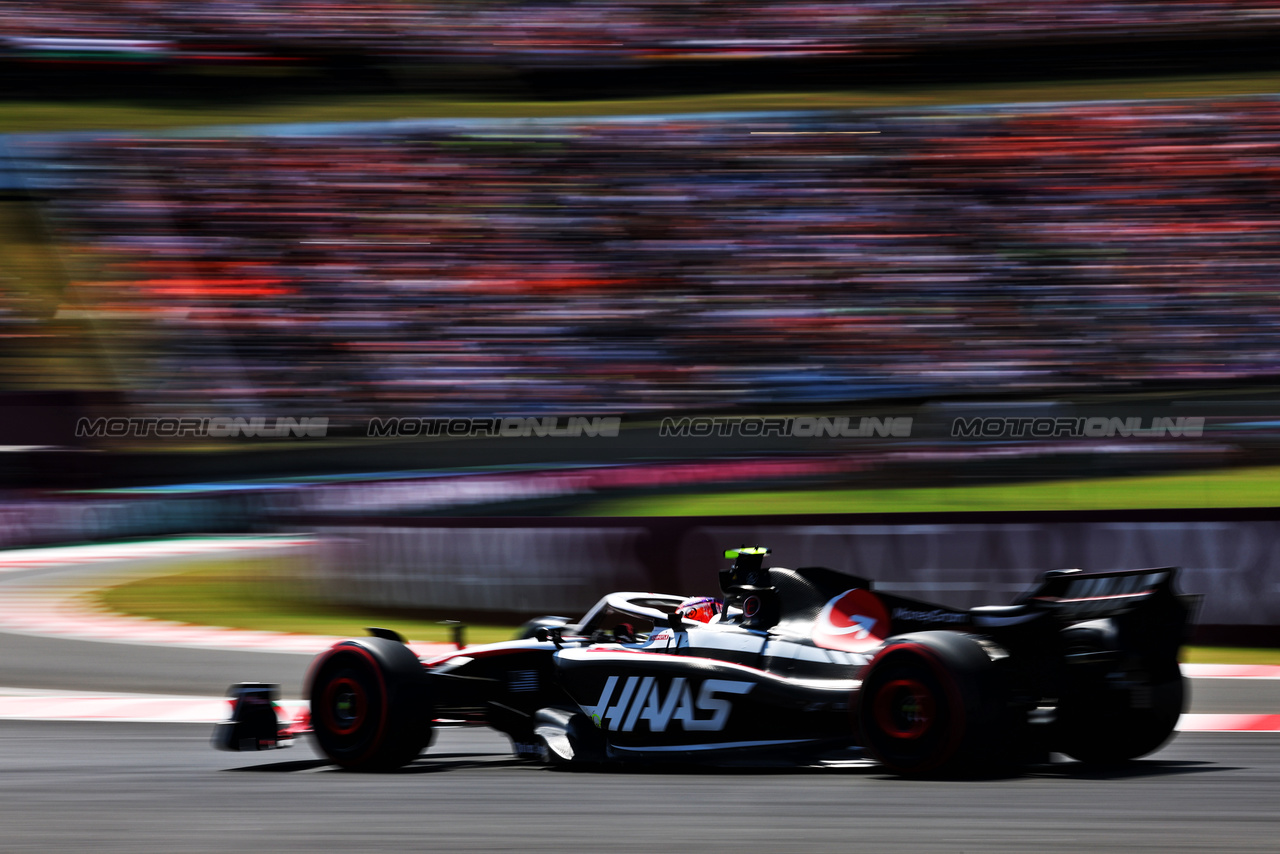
(955, 718)
(344, 649)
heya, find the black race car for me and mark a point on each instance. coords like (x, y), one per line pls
(795, 663)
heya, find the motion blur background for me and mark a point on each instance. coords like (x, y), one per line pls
(636, 210)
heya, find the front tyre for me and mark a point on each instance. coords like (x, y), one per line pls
(370, 708)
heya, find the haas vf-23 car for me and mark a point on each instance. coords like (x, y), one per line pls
(795, 664)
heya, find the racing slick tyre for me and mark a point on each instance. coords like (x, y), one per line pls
(1116, 706)
(1109, 714)
(1111, 725)
(934, 704)
(370, 706)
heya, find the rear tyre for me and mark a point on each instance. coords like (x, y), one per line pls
(1107, 725)
(370, 708)
(1115, 706)
(933, 704)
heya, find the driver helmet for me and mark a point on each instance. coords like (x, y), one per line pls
(702, 609)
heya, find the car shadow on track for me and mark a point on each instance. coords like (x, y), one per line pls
(1062, 770)
(434, 763)
(1136, 768)
(1065, 770)
(284, 767)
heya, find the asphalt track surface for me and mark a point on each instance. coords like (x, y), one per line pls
(140, 788)
(35, 662)
(108, 787)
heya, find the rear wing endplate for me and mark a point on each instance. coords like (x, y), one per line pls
(1073, 595)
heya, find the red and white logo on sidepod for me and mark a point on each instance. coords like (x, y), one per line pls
(855, 620)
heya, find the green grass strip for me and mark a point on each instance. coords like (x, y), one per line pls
(1251, 487)
(244, 596)
(33, 116)
(1229, 655)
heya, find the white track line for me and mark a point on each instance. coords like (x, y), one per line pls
(14, 560)
(1231, 671)
(39, 705)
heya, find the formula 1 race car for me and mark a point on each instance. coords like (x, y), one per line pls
(794, 663)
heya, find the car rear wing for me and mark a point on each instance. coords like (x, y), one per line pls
(1074, 596)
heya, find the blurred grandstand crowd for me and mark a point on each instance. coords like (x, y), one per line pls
(558, 32)
(681, 262)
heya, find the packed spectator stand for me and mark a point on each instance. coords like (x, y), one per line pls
(658, 263)
(587, 32)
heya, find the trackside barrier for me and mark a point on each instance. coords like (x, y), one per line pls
(563, 565)
(499, 570)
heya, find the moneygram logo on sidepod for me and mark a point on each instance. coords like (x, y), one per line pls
(855, 621)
